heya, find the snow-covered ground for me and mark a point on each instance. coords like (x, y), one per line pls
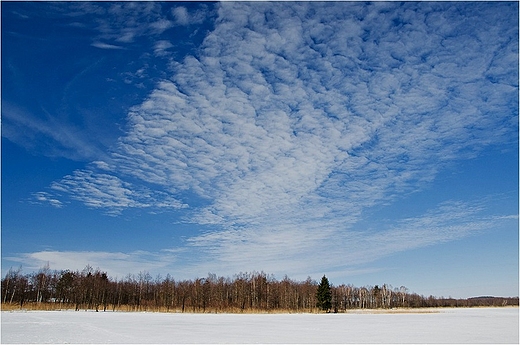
(478, 325)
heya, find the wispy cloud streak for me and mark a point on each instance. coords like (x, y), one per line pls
(319, 247)
(49, 135)
(117, 264)
(298, 252)
(102, 45)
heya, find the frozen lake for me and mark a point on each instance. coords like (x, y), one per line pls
(478, 325)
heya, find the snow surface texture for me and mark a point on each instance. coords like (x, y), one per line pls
(479, 325)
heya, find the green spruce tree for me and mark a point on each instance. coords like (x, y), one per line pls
(324, 295)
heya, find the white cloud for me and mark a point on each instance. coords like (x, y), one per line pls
(124, 22)
(297, 252)
(102, 45)
(295, 118)
(161, 47)
(319, 247)
(116, 264)
(185, 17)
(119, 24)
(108, 192)
(181, 15)
(161, 25)
(43, 197)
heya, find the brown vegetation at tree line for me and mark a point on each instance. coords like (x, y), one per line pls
(254, 292)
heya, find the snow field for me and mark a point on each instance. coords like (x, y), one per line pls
(477, 325)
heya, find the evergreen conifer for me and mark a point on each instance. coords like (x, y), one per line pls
(324, 295)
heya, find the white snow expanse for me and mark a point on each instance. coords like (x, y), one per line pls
(477, 325)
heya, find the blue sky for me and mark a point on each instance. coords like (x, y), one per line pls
(372, 142)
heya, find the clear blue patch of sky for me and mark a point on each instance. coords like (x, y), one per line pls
(483, 264)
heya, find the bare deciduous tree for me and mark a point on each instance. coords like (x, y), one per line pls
(245, 292)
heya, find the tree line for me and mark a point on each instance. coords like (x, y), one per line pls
(244, 292)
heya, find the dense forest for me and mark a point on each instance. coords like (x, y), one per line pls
(244, 292)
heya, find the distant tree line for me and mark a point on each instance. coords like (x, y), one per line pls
(244, 292)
